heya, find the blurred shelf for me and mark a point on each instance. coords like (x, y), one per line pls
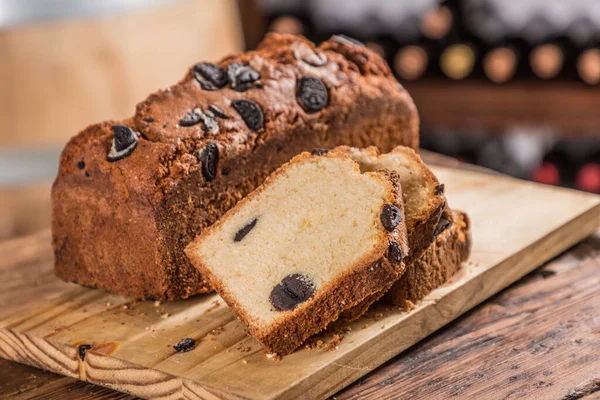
(571, 107)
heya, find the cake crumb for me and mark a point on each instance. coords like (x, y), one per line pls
(365, 326)
(409, 305)
(165, 315)
(333, 343)
(273, 356)
(217, 331)
(157, 303)
(244, 361)
(383, 326)
(125, 307)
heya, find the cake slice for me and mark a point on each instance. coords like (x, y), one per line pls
(426, 210)
(318, 237)
(436, 266)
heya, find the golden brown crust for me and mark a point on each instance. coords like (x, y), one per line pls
(436, 266)
(363, 280)
(122, 226)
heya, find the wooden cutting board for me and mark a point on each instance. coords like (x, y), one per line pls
(516, 227)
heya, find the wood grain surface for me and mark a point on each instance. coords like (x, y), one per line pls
(538, 339)
(516, 227)
(458, 361)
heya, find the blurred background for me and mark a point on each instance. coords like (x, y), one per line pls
(512, 85)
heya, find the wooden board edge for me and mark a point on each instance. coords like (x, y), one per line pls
(101, 369)
(355, 364)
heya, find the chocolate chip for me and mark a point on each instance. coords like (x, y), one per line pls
(439, 189)
(241, 76)
(209, 157)
(390, 217)
(442, 225)
(311, 94)
(210, 76)
(319, 152)
(250, 112)
(346, 40)
(185, 345)
(217, 112)
(149, 120)
(209, 124)
(395, 252)
(241, 234)
(293, 290)
(197, 115)
(124, 143)
(81, 164)
(191, 118)
(82, 350)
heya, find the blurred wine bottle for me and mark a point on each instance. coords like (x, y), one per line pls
(437, 21)
(500, 64)
(457, 61)
(555, 168)
(547, 60)
(588, 177)
(583, 155)
(588, 65)
(411, 62)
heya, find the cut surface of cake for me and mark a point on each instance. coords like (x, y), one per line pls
(317, 238)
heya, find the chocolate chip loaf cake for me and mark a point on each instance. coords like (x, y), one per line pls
(316, 238)
(130, 195)
(436, 266)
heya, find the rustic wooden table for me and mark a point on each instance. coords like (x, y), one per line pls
(537, 339)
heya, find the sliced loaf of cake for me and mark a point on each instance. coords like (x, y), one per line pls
(318, 237)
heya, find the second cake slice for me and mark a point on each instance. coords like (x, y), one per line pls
(315, 239)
